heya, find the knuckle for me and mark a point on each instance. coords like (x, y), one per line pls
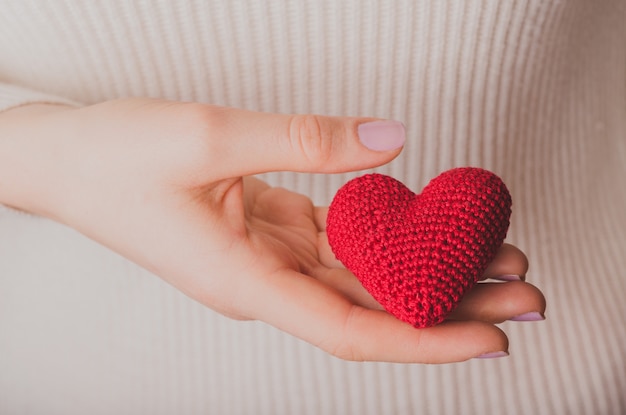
(311, 136)
(346, 352)
(198, 126)
(203, 121)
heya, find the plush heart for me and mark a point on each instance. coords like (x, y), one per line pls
(418, 255)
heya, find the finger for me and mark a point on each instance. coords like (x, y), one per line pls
(510, 264)
(244, 142)
(253, 187)
(497, 302)
(316, 313)
(320, 215)
(325, 252)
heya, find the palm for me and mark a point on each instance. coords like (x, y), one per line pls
(291, 233)
(287, 219)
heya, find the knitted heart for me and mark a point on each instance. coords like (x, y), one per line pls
(418, 255)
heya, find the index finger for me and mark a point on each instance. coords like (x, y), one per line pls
(320, 213)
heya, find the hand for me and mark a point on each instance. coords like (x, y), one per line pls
(162, 183)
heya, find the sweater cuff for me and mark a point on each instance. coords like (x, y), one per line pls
(12, 96)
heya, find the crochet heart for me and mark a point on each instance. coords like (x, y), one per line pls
(418, 255)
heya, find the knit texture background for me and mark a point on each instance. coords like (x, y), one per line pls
(419, 254)
(532, 90)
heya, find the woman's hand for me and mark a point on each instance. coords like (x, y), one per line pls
(166, 185)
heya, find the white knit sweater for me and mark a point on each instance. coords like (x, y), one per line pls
(533, 90)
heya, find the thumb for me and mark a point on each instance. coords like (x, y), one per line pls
(253, 142)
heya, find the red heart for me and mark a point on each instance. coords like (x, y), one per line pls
(418, 255)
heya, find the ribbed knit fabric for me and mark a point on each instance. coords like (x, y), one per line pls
(532, 90)
(418, 255)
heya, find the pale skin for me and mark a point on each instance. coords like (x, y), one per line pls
(167, 185)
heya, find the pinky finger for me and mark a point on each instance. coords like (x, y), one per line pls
(510, 263)
(314, 312)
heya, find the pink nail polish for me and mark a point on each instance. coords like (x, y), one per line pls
(382, 135)
(531, 316)
(492, 355)
(508, 277)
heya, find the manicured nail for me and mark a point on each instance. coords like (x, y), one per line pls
(531, 316)
(492, 355)
(382, 135)
(508, 277)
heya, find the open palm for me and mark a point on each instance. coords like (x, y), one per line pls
(316, 298)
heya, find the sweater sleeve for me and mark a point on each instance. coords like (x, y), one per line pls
(12, 96)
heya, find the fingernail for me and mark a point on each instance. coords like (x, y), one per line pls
(492, 355)
(382, 135)
(531, 316)
(508, 277)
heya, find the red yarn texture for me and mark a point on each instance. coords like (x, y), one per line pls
(418, 255)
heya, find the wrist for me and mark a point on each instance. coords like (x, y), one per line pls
(31, 154)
